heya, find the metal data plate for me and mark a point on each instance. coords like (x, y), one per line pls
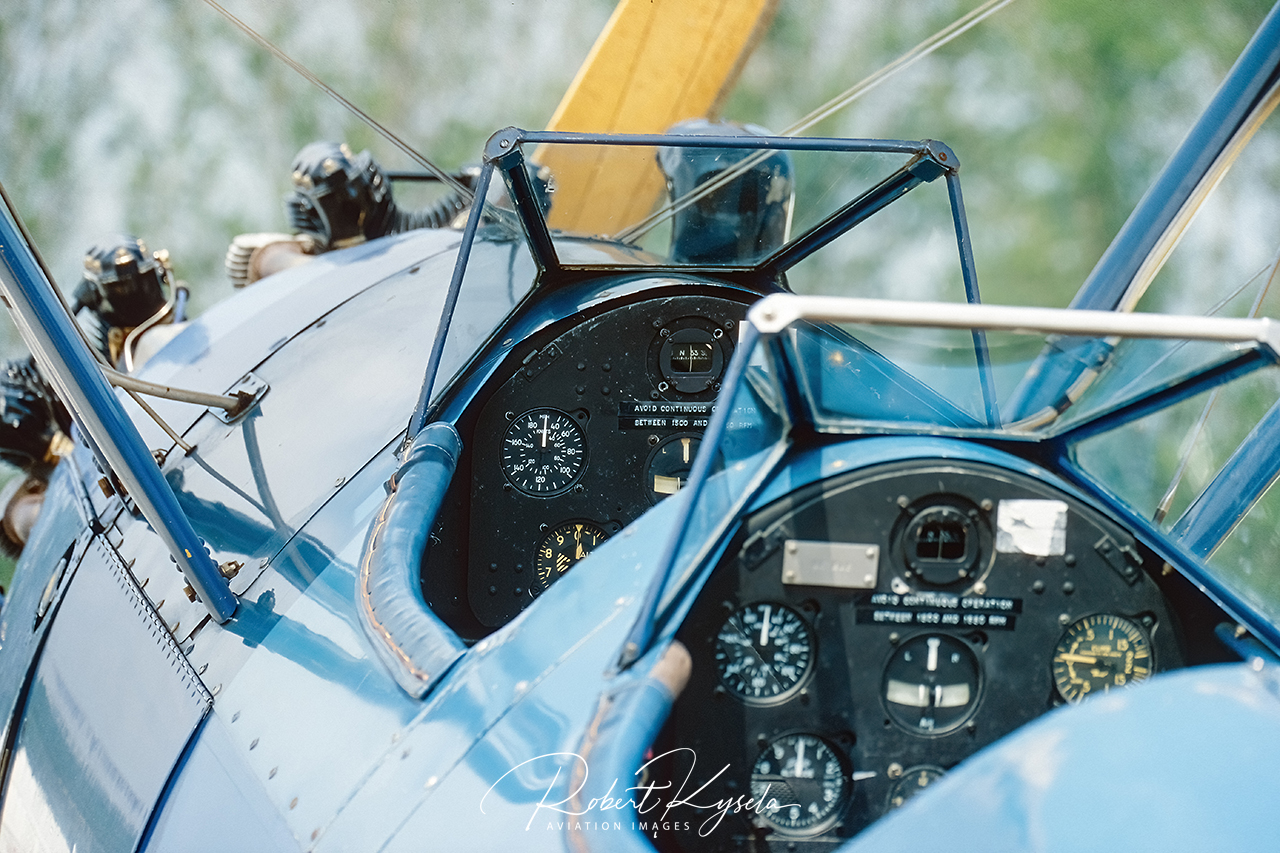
(846, 565)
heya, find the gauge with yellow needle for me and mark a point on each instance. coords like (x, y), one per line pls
(1098, 653)
(562, 546)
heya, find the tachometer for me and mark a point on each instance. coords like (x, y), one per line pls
(800, 782)
(543, 452)
(1098, 653)
(764, 652)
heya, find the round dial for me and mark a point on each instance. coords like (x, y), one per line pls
(668, 468)
(564, 545)
(1098, 653)
(763, 653)
(543, 452)
(931, 683)
(912, 782)
(800, 782)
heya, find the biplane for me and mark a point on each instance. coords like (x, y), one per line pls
(628, 528)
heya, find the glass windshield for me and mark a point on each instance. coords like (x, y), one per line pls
(860, 378)
(682, 203)
(498, 273)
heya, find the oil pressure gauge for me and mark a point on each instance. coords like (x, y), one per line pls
(543, 452)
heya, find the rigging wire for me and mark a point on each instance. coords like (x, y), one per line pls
(947, 34)
(450, 181)
(943, 36)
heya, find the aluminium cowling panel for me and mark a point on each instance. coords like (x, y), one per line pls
(111, 709)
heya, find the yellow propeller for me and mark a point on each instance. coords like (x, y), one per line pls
(655, 63)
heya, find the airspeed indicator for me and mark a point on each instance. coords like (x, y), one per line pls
(543, 452)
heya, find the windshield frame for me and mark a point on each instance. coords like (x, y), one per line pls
(767, 338)
(928, 160)
(1257, 341)
(506, 154)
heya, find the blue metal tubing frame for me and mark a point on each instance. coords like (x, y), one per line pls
(1241, 483)
(780, 143)
(67, 364)
(518, 184)
(419, 417)
(1171, 393)
(849, 215)
(642, 632)
(970, 273)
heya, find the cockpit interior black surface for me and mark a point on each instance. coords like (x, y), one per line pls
(841, 697)
(588, 425)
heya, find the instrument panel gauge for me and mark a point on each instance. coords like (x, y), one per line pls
(764, 653)
(800, 782)
(562, 547)
(941, 545)
(931, 684)
(691, 359)
(1100, 652)
(912, 782)
(669, 465)
(543, 452)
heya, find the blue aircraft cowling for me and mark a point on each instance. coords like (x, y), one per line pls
(1186, 762)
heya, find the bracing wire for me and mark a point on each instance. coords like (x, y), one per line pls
(369, 120)
(943, 36)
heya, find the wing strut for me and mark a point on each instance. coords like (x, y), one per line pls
(47, 329)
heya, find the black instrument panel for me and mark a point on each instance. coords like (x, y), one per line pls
(592, 428)
(864, 635)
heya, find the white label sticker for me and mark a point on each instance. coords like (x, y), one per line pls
(1038, 528)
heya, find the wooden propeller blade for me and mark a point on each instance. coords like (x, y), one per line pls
(657, 62)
